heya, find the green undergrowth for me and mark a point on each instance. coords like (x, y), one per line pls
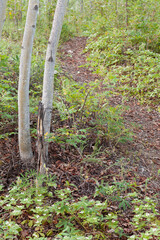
(120, 56)
(8, 90)
(84, 117)
(35, 208)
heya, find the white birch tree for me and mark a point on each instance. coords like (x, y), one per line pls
(24, 79)
(2, 14)
(48, 81)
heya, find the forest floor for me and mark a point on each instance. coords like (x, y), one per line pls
(138, 160)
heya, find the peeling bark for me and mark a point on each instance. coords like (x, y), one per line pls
(41, 166)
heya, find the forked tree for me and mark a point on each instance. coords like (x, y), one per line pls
(48, 81)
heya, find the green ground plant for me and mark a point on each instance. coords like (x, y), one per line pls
(145, 214)
(29, 205)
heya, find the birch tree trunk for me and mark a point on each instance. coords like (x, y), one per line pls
(24, 78)
(47, 96)
(2, 14)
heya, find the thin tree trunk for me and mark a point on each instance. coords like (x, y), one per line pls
(47, 97)
(126, 5)
(117, 14)
(24, 78)
(2, 14)
(82, 5)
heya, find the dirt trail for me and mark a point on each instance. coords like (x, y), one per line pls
(73, 59)
(146, 144)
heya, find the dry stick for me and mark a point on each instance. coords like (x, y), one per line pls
(85, 100)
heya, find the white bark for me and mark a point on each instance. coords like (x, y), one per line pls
(24, 78)
(2, 14)
(47, 97)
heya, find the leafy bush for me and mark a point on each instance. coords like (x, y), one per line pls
(66, 33)
(86, 116)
